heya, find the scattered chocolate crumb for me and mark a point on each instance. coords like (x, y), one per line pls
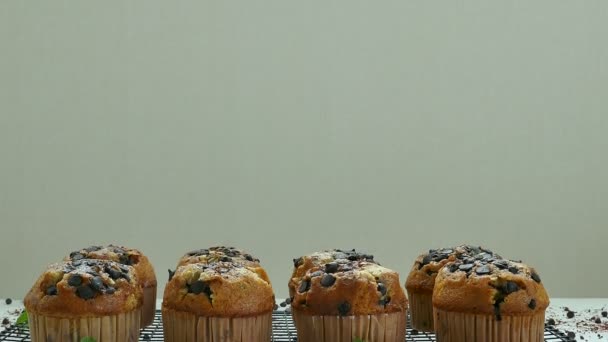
(8, 301)
(604, 313)
(570, 314)
(571, 334)
(5, 321)
(550, 321)
(598, 320)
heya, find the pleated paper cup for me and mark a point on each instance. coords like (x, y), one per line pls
(388, 327)
(149, 308)
(458, 327)
(421, 310)
(179, 326)
(117, 328)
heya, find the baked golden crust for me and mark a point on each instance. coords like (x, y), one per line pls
(421, 278)
(120, 254)
(344, 287)
(89, 288)
(216, 254)
(221, 289)
(307, 262)
(499, 287)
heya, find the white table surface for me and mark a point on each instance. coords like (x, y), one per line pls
(584, 310)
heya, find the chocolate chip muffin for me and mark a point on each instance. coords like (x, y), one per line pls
(342, 299)
(302, 264)
(421, 279)
(130, 257)
(101, 299)
(489, 300)
(223, 254)
(220, 301)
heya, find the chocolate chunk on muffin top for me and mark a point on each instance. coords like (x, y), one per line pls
(222, 289)
(123, 255)
(217, 254)
(304, 263)
(347, 287)
(85, 287)
(489, 286)
(425, 268)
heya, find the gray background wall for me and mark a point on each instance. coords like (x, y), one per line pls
(287, 127)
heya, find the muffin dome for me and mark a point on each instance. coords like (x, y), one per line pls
(425, 268)
(219, 289)
(339, 286)
(217, 254)
(487, 286)
(85, 288)
(307, 262)
(122, 255)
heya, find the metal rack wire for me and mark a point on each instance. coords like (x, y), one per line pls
(283, 330)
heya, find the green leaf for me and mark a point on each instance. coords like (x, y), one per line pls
(87, 339)
(22, 319)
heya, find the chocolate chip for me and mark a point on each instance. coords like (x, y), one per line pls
(465, 267)
(532, 304)
(51, 290)
(453, 268)
(288, 300)
(76, 256)
(171, 274)
(510, 287)
(110, 290)
(535, 277)
(384, 301)
(226, 259)
(304, 286)
(514, 269)
(8, 301)
(316, 274)
(248, 257)
(382, 288)
(125, 276)
(85, 292)
(283, 304)
(604, 313)
(501, 264)
(113, 273)
(75, 280)
(482, 270)
(570, 334)
(198, 287)
(344, 308)
(298, 262)
(550, 321)
(328, 280)
(427, 259)
(331, 267)
(97, 283)
(570, 314)
(5, 321)
(92, 249)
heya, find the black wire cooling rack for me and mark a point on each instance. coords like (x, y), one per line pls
(283, 330)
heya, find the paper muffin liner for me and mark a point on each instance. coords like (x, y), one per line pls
(116, 328)
(457, 327)
(181, 326)
(148, 310)
(421, 310)
(369, 328)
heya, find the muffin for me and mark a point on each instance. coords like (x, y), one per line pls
(302, 264)
(101, 299)
(224, 254)
(421, 279)
(348, 300)
(130, 257)
(489, 301)
(220, 301)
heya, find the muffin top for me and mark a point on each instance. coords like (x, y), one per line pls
(222, 289)
(306, 262)
(348, 287)
(85, 288)
(223, 254)
(499, 287)
(422, 275)
(120, 254)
